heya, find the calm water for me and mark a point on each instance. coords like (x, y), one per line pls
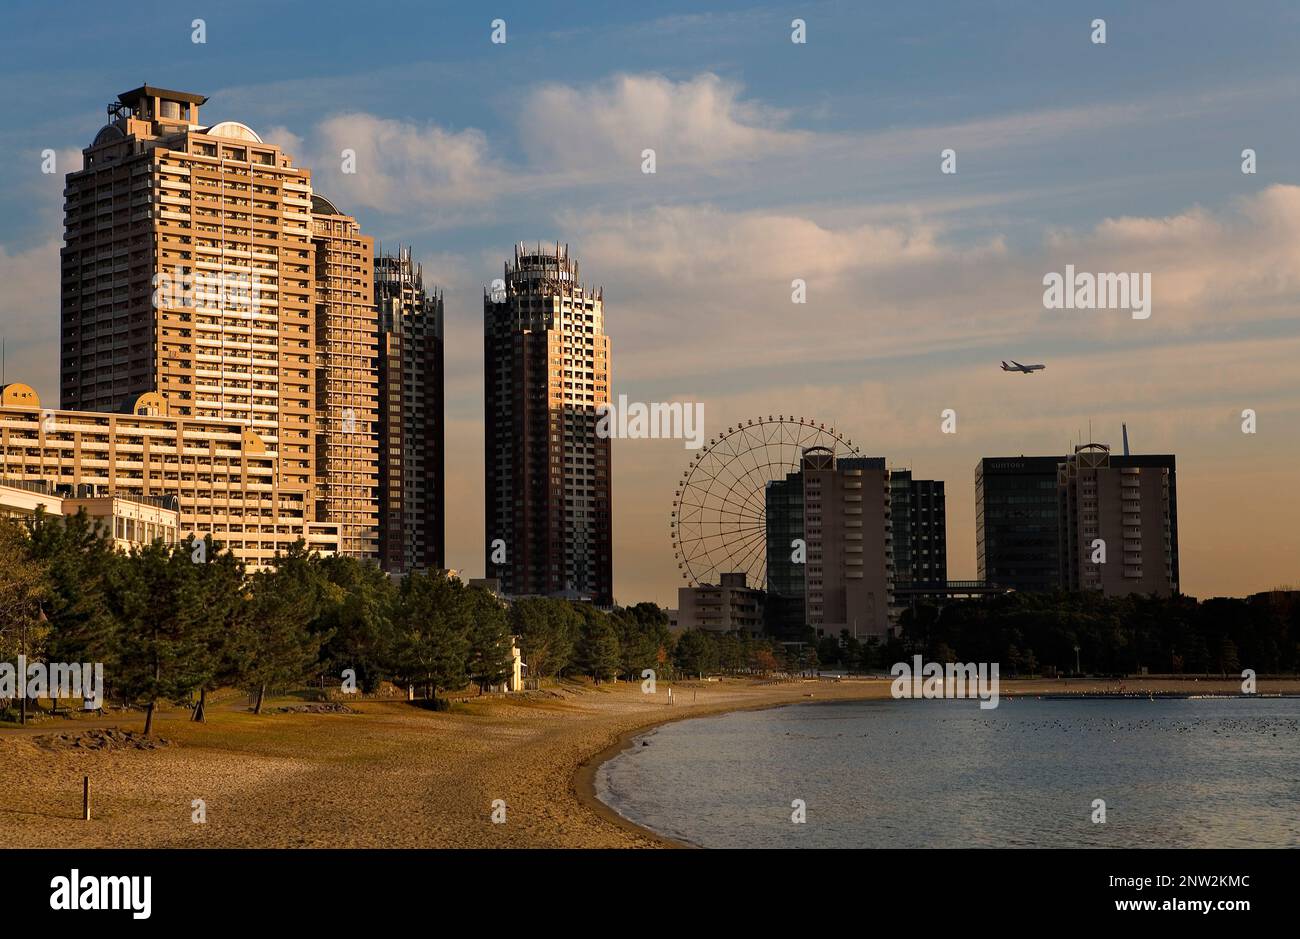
(1173, 773)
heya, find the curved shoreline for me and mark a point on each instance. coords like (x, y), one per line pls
(584, 788)
(583, 785)
(392, 775)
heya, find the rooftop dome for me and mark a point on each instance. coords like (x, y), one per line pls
(234, 130)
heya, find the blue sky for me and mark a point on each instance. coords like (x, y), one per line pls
(776, 161)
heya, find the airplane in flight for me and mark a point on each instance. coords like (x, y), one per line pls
(1025, 369)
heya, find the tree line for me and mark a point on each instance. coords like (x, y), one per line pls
(1036, 633)
(175, 622)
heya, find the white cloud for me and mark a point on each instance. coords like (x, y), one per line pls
(683, 281)
(401, 166)
(698, 123)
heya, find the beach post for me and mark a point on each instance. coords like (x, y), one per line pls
(85, 798)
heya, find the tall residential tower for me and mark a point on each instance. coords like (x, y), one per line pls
(188, 271)
(412, 517)
(548, 525)
(203, 283)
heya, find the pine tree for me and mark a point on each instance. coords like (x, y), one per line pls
(489, 638)
(432, 648)
(274, 647)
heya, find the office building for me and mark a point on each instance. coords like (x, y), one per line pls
(784, 609)
(548, 528)
(1017, 522)
(412, 481)
(1032, 514)
(919, 520)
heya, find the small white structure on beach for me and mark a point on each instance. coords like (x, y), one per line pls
(515, 679)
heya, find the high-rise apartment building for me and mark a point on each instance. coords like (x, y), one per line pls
(548, 527)
(843, 512)
(201, 282)
(187, 271)
(412, 517)
(850, 566)
(1118, 533)
(347, 380)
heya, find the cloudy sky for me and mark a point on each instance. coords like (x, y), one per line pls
(775, 161)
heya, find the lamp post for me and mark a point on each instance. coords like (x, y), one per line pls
(1077, 670)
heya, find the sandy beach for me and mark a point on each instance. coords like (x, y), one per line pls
(390, 775)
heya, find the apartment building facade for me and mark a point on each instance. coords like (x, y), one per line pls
(187, 271)
(204, 282)
(347, 380)
(218, 477)
(731, 605)
(1118, 531)
(412, 435)
(850, 565)
(548, 526)
(129, 521)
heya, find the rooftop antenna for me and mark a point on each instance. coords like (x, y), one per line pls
(1125, 426)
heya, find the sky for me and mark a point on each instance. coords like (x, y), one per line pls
(775, 161)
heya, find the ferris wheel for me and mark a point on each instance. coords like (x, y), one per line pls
(719, 518)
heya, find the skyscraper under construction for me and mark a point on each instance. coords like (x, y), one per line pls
(548, 528)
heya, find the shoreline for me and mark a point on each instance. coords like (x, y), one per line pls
(583, 787)
(392, 775)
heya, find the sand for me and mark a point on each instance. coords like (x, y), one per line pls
(390, 775)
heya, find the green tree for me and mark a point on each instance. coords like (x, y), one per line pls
(275, 648)
(548, 629)
(157, 604)
(828, 651)
(488, 656)
(222, 609)
(597, 652)
(358, 603)
(696, 652)
(78, 556)
(432, 648)
(24, 585)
